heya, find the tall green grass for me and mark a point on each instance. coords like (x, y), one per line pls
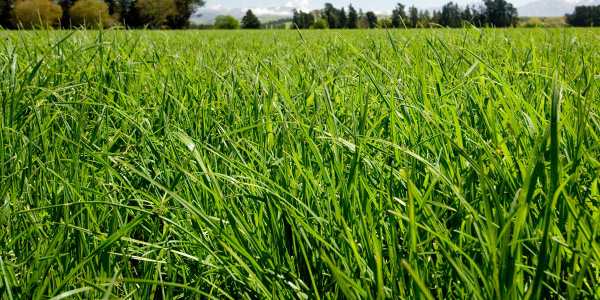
(411, 164)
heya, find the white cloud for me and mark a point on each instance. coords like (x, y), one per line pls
(272, 10)
(207, 14)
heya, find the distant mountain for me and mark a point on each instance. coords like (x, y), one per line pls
(552, 8)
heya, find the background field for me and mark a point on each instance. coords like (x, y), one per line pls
(457, 164)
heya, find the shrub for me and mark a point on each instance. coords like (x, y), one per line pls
(320, 24)
(90, 13)
(36, 13)
(156, 12)
(226, 22)
(384, 23)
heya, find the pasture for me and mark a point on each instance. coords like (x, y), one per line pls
(401, 164)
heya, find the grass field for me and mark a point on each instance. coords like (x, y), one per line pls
(417, 164)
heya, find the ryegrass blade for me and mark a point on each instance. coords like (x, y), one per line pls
(104, 245)
(548, 219)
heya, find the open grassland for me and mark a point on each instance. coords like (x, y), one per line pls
(419, 164)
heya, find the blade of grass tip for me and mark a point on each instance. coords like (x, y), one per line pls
(416, 278)
(391, 40)
(554, 181)
(110, 286)
(300, 33)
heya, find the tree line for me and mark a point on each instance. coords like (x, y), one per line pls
(175, 14)
(497, 13)
(156, 14)
(584, 16)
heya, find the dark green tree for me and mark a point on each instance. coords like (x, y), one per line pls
(372, 18)
(66, 5)
(499, 13)
(5, 7)
(467, 15)
(584, 16)
(250, 21)
(451, 15)
(352, 17)
(114, 7)
(398, 16)
(413, 16)
(331, 14)
(424, 18)
(435, 17)
(343, 18)
(185, 9)
(302, 20)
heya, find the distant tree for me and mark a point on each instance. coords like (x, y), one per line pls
(500, 13)
(466, 15)
(320, 24)
(333, 21)
(435, 17)
(372, 18)
(277, 24)
(384, 23)
(398, 16)
(250, 21)
(479, 16)
(66, 5)
(184, 10)
(36, 13)
(343, 18)
(451, 15)
(226, 22)
(114, 8)
(155, 12)
(296, 19)
(363, 22)
(128, 15)
(302, 20)
(413, 16)
(318, 14)
(5, 8)
(90, 13)
(584, 16)
(331, 14)
(352, 17)
(424, 18)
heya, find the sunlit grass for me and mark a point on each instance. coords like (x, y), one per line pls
(434, 164)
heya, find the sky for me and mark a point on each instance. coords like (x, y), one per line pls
(262, 7)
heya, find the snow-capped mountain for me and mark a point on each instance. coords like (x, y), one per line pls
(552, 8)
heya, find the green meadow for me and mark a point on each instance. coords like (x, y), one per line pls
(367, 164)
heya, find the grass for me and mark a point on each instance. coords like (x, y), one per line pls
(406, 164)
